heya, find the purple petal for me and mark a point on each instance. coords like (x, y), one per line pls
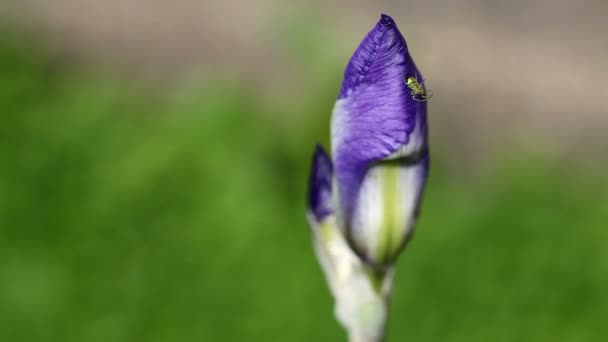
(375, 117)
(319, 187)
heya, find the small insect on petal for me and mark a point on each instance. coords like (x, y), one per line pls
(418, 90)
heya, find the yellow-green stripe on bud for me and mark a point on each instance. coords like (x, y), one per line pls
(386, 210)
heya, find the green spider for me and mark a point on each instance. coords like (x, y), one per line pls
(419, 93)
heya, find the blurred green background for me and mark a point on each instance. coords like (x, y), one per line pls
(145, 196)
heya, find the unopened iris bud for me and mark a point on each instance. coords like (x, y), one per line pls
(364, 200)
(379, 145)
(320, 186)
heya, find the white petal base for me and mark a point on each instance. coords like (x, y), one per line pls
(385, 213)
(361, 296)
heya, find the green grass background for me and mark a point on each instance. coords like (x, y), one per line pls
(129, 214)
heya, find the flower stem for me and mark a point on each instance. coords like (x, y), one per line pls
(357, 337)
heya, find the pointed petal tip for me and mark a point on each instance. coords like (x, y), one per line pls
(382, 48)
(319, 152)
(386, 20)
(386, 25)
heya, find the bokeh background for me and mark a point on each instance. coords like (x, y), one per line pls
(154, 158)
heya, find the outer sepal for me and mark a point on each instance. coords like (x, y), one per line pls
(320, 185)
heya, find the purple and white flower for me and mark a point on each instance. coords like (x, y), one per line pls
(363, 201)
(373, 184)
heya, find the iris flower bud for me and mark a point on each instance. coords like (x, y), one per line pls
(379, 145)
(367, 196)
